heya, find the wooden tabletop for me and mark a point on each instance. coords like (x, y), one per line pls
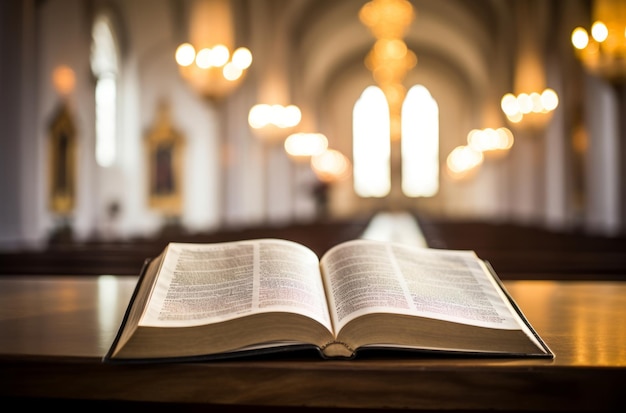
(55, 330)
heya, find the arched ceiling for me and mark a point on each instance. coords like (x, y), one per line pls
(327, 38)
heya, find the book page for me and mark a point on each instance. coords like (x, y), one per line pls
(365, 276)
(207, 283)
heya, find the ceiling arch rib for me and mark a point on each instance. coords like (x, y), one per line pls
(327, 41)
(436, 36)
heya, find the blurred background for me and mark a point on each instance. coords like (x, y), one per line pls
(131, 119)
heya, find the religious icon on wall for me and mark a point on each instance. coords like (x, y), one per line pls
(163, 184)
(165, 152)
(62, 163)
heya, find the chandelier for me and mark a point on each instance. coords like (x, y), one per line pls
(302, 146)
(213, 72)
(604, 52)
(530, 110)
(390, 59)
(273, 123)
(209, 63)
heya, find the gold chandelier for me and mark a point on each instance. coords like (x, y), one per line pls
(273, 123)
(604, 52)
(213, 72)
(390, 59)
(209, 63)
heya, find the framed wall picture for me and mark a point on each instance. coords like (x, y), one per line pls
(62, 163)
(164, 147)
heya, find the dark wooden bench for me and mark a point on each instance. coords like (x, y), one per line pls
(126, 257)
(530, 252)
(515, 251)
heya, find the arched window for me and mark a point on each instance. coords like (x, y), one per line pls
(105, 67)
(371, 146)
(420, 143)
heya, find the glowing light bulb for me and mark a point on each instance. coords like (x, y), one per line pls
(185, 54)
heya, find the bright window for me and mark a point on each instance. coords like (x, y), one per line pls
(104, 65)
(371, 144)
(420, 143)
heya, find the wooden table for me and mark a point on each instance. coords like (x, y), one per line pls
(55, 330)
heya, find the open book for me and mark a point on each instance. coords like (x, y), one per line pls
(203, 301)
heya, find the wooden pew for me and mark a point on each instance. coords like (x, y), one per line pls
(528, 252)
(126, 257)
(515, 251)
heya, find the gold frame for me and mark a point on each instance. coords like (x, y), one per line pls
(62, 163)
(164, 148)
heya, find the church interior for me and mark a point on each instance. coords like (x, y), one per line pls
(497, 126)
(108, 139)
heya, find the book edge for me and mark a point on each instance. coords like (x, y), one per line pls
(288, 350)
(518, 310)
(108, 356)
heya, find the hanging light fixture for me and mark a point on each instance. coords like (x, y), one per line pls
(213, 72)
(209, 63)
(331, 166)
(491, 142)
(531, 110)
(272, 123)
(463, 162)
(302, 146)
(390, 59)
(604, 52)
